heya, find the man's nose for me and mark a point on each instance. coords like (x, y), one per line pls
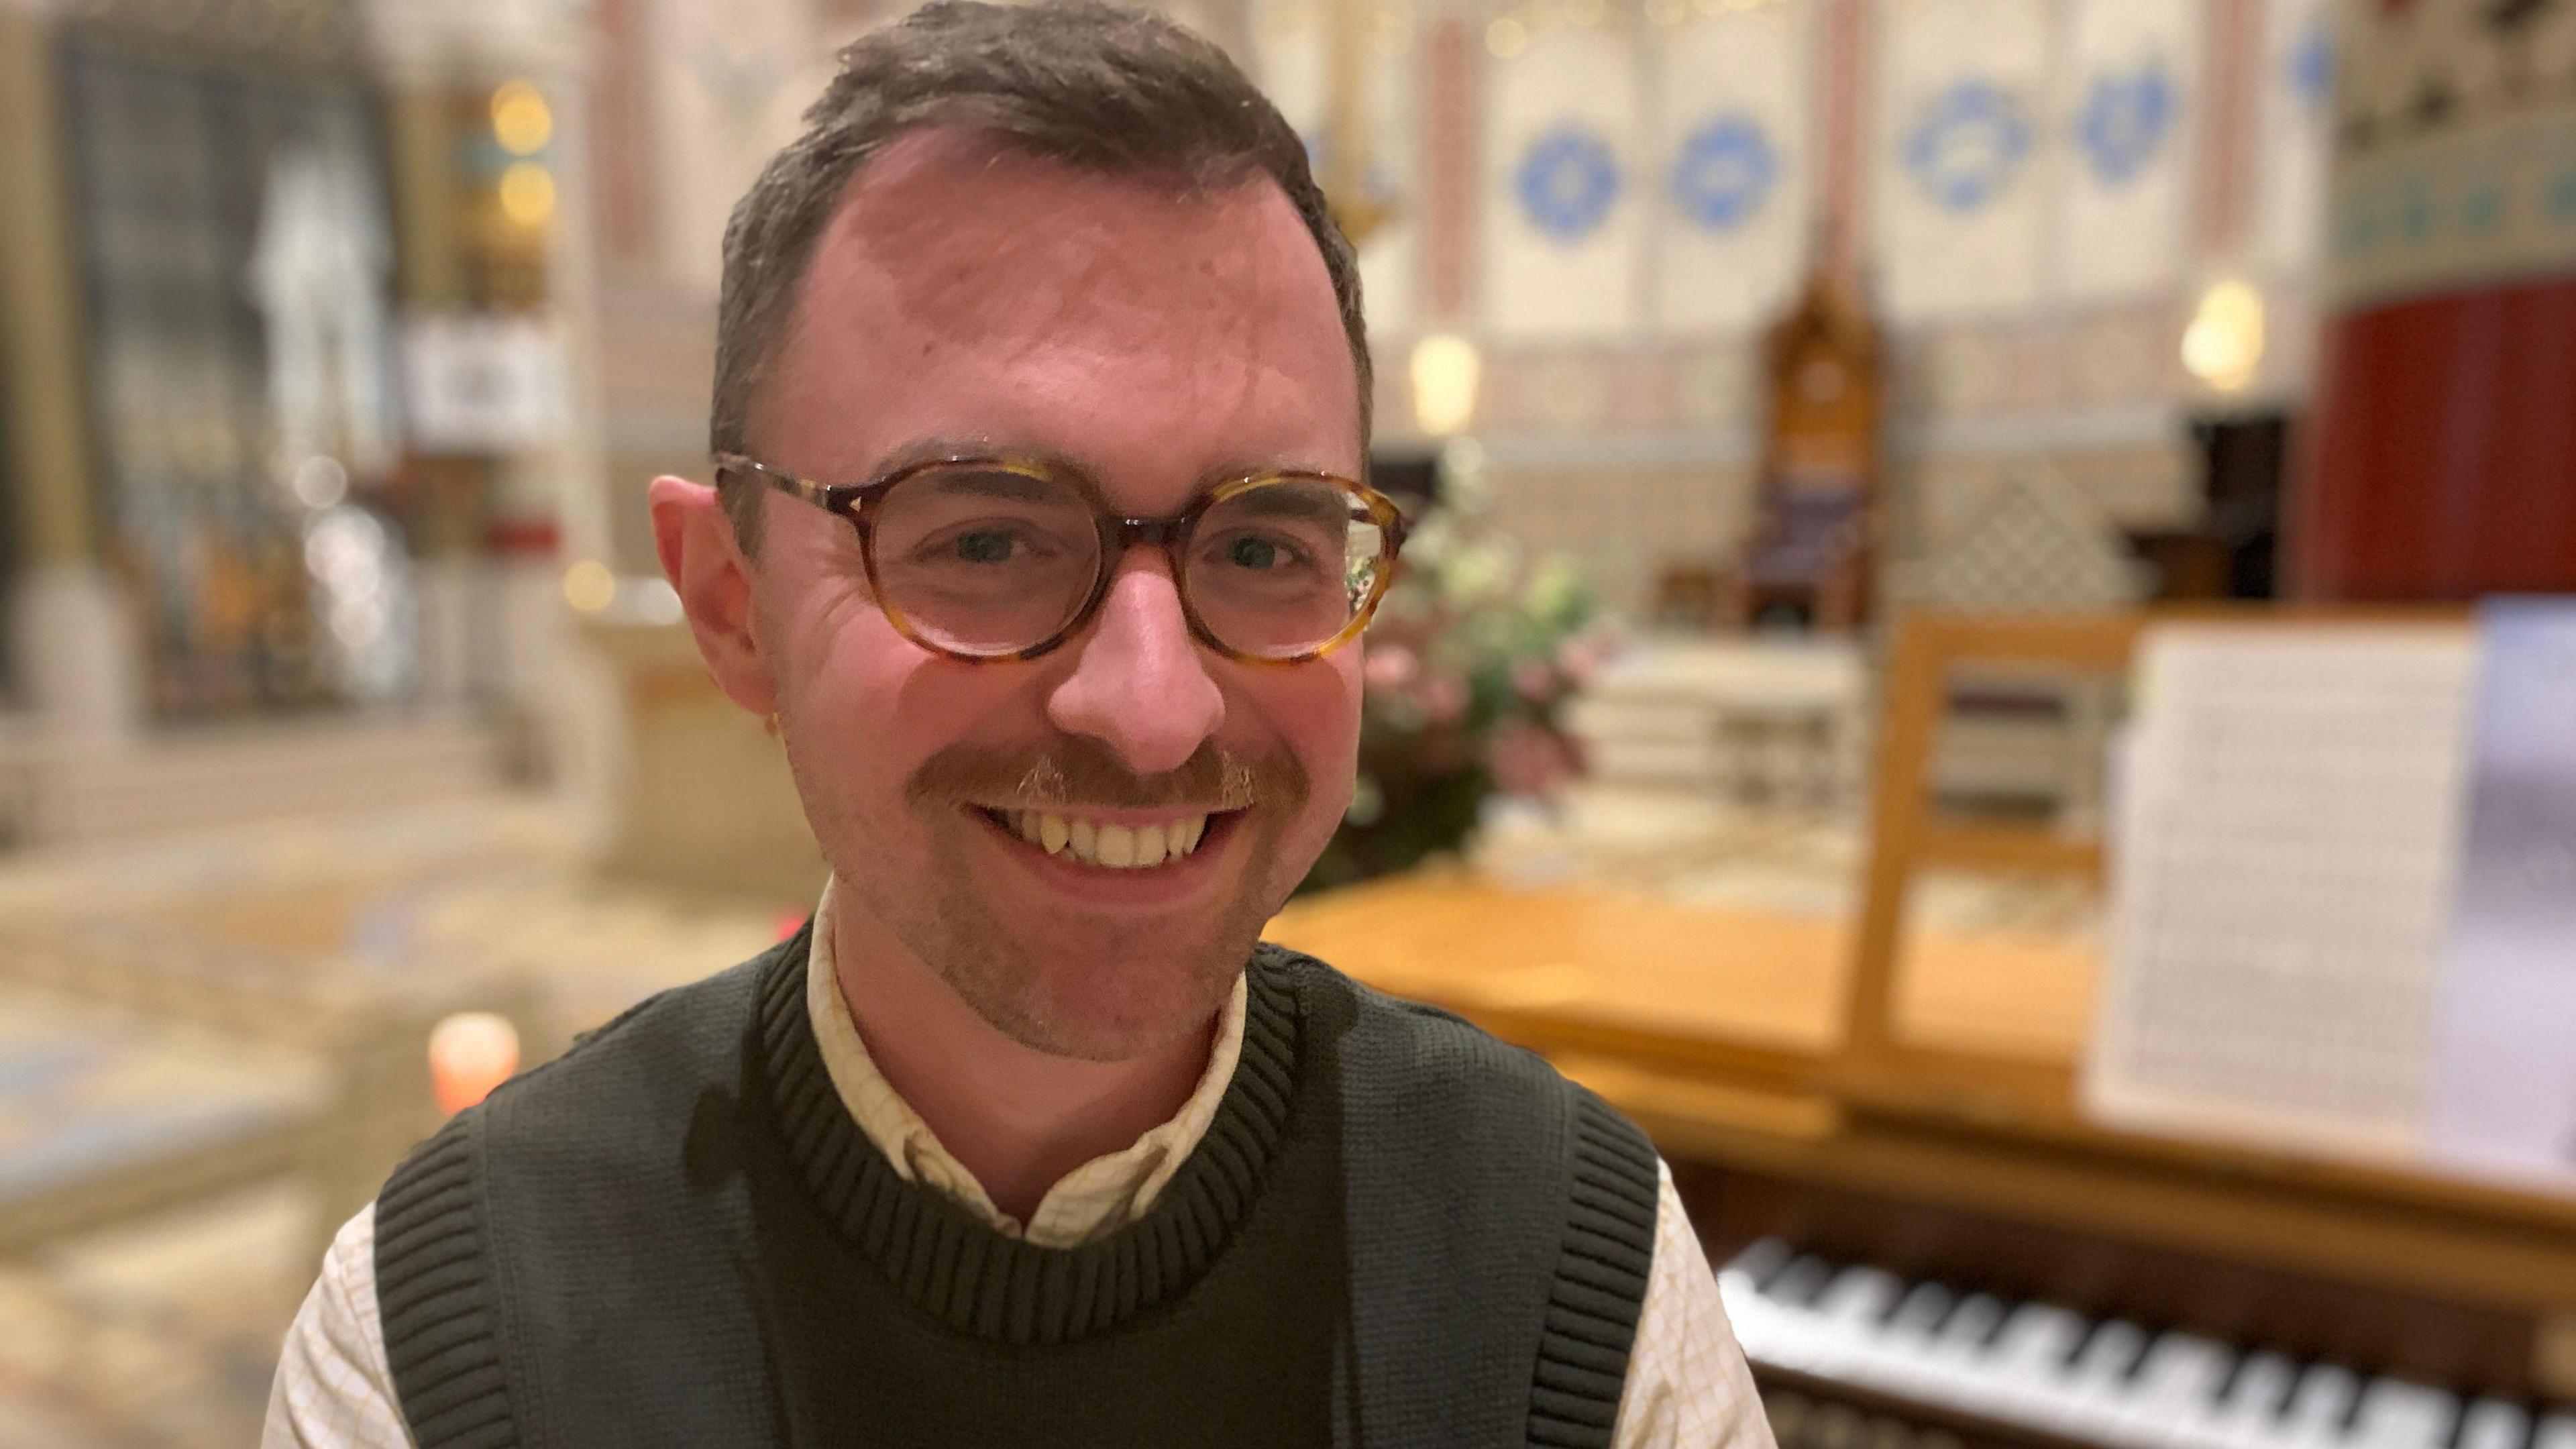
(1139, 684)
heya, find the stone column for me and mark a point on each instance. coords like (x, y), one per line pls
(2445, 430)
(503, 622)
(72, 654)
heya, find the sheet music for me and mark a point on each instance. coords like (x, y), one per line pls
(2288, 835)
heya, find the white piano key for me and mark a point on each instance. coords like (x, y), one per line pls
(2102, 1366)
(2319, 1405)
(1847, 1315)
(2556, 1431)
(2396, 1414)
(1861, 1295)
(1766, 1333)
(1965, 1333)
(2176, 1384)
(1798, 1284)
(2494, 1424)
(2082, 1401)
(1975, 1357)
(2034, 1342)
(2246, 1417)
(1901, 1354)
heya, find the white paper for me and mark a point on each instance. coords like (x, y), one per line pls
(2282, 876)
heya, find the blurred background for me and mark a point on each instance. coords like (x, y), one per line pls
(1977, 653)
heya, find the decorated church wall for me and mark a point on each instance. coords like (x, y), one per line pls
(1609, 199)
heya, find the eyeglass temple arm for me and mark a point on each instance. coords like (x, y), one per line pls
(819, 494)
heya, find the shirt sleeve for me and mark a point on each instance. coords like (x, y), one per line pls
(334, 1388)
(1688, 1386)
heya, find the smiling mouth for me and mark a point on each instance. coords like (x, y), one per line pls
(1111, 844)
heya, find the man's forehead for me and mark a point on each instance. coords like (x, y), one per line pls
(949, 250)
(959, 229)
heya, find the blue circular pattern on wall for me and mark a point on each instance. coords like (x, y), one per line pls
(1968, 144)
(2126, 117)
(1725, 171)
(1567, 180)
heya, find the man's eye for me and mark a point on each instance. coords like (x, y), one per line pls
(986, 546)
(1262, 553)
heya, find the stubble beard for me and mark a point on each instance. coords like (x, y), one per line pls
(1091, 988)
(1097, 990)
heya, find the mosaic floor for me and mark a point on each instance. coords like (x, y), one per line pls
(156, 997)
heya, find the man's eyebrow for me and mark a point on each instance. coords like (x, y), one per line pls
(932, 450)
(940, 448)
(1314, 500)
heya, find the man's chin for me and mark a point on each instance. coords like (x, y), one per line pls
(1124, 1000)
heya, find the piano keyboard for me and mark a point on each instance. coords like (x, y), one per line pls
(2064, 1378)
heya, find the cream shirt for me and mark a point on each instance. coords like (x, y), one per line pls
(1687, 1381)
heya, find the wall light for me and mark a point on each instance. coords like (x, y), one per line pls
(521, 120)
(527, 193)
(2224, 343)
(589, 587)
(1446, 370)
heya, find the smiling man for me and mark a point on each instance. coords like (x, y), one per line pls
(1041, 406)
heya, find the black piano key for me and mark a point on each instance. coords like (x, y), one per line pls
(1761, 1260)
(1798, 1284)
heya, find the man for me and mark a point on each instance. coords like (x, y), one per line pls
(1041, 387)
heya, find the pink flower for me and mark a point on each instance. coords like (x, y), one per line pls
(1444, 698)
(1535, 681)
(1528, 760)
(1390, 666)
(1581, 655)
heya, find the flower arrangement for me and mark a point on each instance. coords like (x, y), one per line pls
(1470, 662)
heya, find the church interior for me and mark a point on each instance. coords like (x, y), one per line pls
(1987, 649)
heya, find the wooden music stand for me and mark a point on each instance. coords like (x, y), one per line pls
(1879, 1066)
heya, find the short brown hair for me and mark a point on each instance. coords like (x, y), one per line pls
(1102, 88)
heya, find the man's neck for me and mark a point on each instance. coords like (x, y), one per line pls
(1019, 1119)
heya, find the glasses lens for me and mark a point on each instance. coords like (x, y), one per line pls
(1283, 567)
(984, 560)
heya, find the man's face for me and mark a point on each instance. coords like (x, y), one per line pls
(965, 299)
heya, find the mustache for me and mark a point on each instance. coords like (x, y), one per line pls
(1076, 770)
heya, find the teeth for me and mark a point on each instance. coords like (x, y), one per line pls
(1120, 847)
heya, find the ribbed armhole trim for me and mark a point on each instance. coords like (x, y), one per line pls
(1601, 1270)
(943, 1262)
(442, 1338)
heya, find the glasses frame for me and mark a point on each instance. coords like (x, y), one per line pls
(859, 503)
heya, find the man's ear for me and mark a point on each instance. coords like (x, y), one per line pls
(713, 579)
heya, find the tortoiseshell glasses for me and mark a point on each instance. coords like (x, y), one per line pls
(1005, 558)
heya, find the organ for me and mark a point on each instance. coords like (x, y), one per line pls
(1920, 1237)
